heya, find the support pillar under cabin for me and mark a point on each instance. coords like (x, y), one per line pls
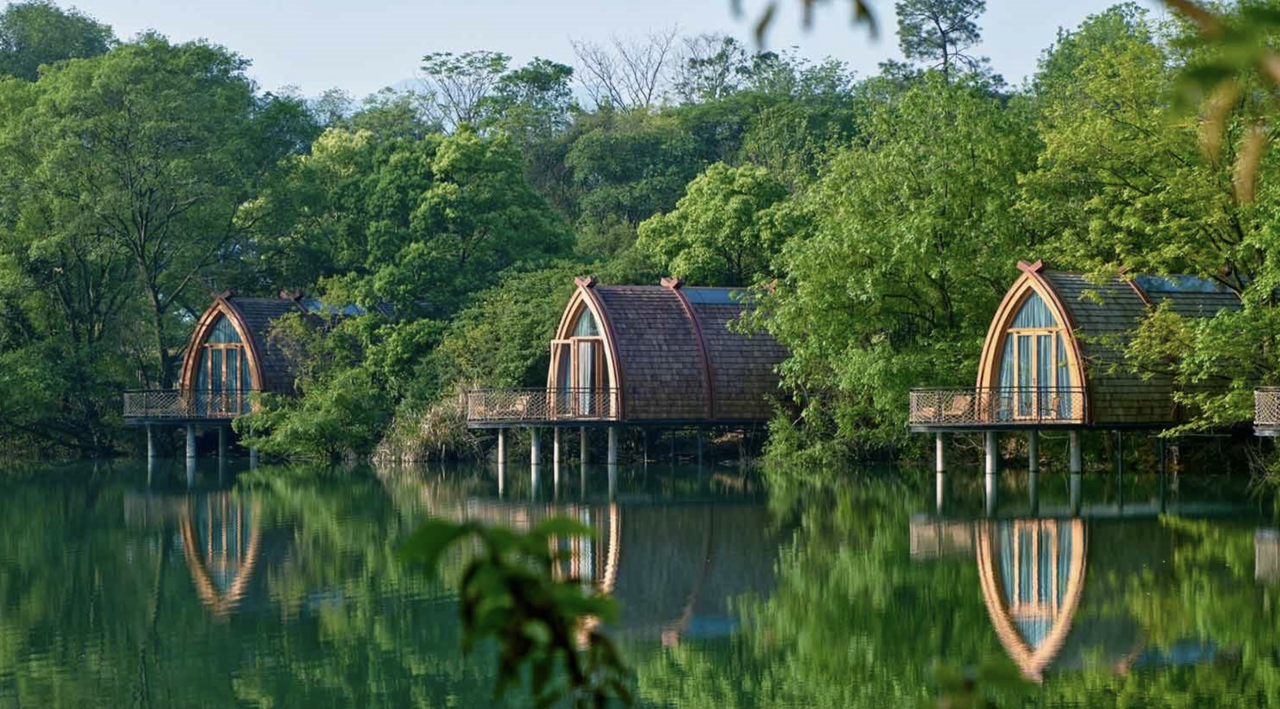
(992, 452)
(535, 455)
(222, 443)
(151, 443)
(1077, 463)
(582, 445)
(1033, 451)
(191, 442)
(502, 460)
(613, 462)
(940, 464)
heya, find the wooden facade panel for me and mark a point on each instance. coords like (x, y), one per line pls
(259, 314)
(743, 367)
(1105, 316)
(665, 355)
(658, 352)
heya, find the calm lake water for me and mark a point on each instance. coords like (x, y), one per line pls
(281, 588)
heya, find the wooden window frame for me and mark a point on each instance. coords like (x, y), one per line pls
(1035, 389)
(221, 404)
(600, 376)
(1035, 608)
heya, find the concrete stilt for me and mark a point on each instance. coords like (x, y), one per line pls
(1077, 463)
(940, 491)
(993, 453)
(502, 460)
(991, 493)
(1076, 483)
(191, 455)
(253, 458)
(1033, 452)
(151, 443)
(1033, 491)
(535, 457)
(698, 437)
(555, 461)
(939, 462)
(582, 445)
(222, 442)
(613, 462)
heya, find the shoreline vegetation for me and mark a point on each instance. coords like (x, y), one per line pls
(875, 220)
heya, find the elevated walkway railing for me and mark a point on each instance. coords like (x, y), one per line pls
(179, 404)
(540, 405)
(1266, 407)
(996, 406)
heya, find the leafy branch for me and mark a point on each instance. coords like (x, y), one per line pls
(509, 592)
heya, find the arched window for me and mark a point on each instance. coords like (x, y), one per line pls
(223, 381)
(579, 363)
(1035, 373)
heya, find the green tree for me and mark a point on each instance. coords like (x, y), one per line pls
(148, 156)
(913, 243)
(37, 33)
(459, 86)
(940, 32)
(725, 231)
(630, 165)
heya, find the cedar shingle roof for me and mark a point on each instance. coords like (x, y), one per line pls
(258, 315)
(1105, 316)
(659, 345)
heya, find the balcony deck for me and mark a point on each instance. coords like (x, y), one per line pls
(1266, 411)
(505, 408)
(974, 409)
(177, 406)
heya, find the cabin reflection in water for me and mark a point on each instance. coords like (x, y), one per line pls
(223, 544)
(1049, 584)
(674, 568)
(1032, 574)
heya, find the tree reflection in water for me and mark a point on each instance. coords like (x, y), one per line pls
(284, 590)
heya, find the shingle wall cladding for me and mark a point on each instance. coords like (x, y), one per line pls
(1105, 316)
(658, 352)
(259, 314)
(742, 367)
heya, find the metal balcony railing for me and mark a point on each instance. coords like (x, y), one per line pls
(1002, 406)
(182, 404)
(1266, 407)
(540, 405)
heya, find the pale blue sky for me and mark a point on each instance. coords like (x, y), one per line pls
(363, 45)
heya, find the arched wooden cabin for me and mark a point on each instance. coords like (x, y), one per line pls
(1052, 354)
(644, 355)
(229, 356)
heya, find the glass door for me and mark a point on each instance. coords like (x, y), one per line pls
(1037, 374)
(588, 368)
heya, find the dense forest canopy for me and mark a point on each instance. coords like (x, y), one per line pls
(885, 214)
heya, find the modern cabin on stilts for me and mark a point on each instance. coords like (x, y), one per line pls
(229, 358)
(640, 356)
(1053, 360)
